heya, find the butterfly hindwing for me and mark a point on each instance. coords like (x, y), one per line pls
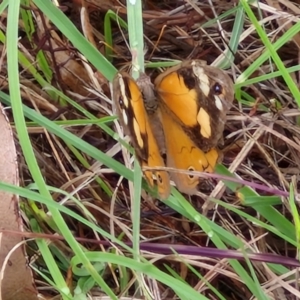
(184, 154)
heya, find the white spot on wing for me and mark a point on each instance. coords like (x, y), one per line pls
(124, 116)
(204, 121)
(203, 78)
(122, 89)
(137, 132)
(218, 102)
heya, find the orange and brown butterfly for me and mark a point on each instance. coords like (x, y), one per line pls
(181, 117)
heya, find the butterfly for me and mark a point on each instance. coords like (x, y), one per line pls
(176, 122)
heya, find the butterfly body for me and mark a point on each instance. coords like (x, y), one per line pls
(189, 103)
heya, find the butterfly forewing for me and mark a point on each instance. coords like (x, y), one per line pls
(130, 108)
(199, 97)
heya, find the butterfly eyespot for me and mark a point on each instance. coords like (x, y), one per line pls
(121, 103)
(191, 169)
(159, 178)
(217, 89)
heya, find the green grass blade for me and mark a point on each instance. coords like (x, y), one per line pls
(272, 52)
(136, 37)
(109, 17)
(3, 6)
(60, 283)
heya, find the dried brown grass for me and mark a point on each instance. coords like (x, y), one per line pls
(261, 146)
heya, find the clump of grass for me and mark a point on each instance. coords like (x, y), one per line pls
(104, 240)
